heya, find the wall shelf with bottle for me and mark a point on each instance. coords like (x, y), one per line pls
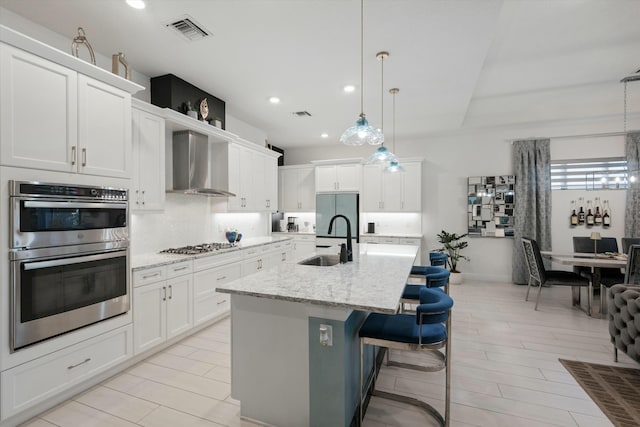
(596, 213)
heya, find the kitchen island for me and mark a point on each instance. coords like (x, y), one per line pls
(280, 371)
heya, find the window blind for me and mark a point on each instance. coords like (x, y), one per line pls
(608, 173)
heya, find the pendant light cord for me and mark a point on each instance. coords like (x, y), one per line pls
(361, 58)
(382, 94)
(393, 122)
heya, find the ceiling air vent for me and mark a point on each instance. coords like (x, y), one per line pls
(301, 113)
(188, 28)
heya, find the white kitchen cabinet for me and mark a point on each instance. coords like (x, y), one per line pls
(56, 119)
(266, 189)
(104, 129)
(249, 174)
(392, 192)
(340, 177)
(40, 379)
(208, 303)
(148, 189)
(297, 189)
(162, 309)
(303, 245)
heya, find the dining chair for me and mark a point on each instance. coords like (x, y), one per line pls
(632, 270)
(627, 242)
(540, 276)
(608, 276)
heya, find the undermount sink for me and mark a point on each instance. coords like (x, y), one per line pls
(321, 260)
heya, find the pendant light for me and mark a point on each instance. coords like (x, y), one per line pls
(382, 154)
(362, 133)
(394, 165)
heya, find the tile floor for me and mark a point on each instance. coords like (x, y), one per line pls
(505, 372)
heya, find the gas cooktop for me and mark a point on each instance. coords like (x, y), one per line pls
(198, 249)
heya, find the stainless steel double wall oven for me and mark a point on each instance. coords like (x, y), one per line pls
(69, 258)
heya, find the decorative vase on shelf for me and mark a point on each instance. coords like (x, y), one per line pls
(191, 112)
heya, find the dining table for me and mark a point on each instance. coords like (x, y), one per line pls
(596, 262)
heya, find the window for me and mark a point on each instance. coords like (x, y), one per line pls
(589, 174)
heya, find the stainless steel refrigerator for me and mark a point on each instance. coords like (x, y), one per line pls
(330, 204)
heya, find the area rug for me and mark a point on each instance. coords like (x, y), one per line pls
(615, 390)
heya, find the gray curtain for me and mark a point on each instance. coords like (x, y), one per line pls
(532, 166)
(632, 211)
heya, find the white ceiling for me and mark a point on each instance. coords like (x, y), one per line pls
(458, 63)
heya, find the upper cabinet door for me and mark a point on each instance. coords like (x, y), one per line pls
(38, 112)
(392, 192)
(289, 190)
(306, 189)
(371, 198)
(271, 183)
(348, 177)
(104, 129)
(326, 178)
(412, 189)
(148, 190)
(237, 202)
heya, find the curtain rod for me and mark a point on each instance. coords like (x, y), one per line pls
(586, 135)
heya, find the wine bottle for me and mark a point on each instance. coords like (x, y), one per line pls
(597, 218)
(606, 218)
(573, 218)
(589, 218)
(581, 216)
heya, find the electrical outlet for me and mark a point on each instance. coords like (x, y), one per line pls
(326, 335)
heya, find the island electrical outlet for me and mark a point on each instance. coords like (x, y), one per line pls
(326, 335)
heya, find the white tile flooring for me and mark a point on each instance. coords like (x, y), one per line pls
(505, 372)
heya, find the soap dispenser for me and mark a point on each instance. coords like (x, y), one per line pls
(344, 256)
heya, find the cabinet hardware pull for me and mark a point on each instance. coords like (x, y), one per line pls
(84, 157)
(143, 191)
(170, 291)
(137, 197)
(180, 268)
(164, 293)
(221, 278)
(87, 360)
(222, 302)
(157, 273)
(74, 155)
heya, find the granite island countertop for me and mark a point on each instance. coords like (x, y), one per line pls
(374, 281)
(155, 259)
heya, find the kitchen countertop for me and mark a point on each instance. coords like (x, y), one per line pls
(408, 235)
(374, 281)
(293, 233)
(149, 260)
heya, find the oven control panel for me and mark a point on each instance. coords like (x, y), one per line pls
(38, 189)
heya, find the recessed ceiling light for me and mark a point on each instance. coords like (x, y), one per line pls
(324, 135)
(349, 88)
(136, 4)
(274, 100)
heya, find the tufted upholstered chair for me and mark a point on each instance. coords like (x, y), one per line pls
(624, 309)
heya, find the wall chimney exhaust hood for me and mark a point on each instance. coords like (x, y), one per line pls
(192, 165)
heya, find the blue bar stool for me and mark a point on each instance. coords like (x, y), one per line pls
(435, 277)
(438, 259)
(426, 331)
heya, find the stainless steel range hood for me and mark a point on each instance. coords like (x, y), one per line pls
(192, 165)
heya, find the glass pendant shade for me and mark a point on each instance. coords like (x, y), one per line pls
(381, 155)
(394, 167)
(361, 134)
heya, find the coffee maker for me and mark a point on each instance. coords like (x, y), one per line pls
(292, 224)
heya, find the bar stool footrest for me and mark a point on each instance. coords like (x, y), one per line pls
(430, 410)
(433, 368)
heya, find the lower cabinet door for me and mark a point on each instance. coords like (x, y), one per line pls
(35, 381)
(179, 305)
(207, 302)
(149, 312)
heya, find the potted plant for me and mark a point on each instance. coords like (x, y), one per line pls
(452, 246)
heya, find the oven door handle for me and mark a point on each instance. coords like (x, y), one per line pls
(67, 261)
(76, 205)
